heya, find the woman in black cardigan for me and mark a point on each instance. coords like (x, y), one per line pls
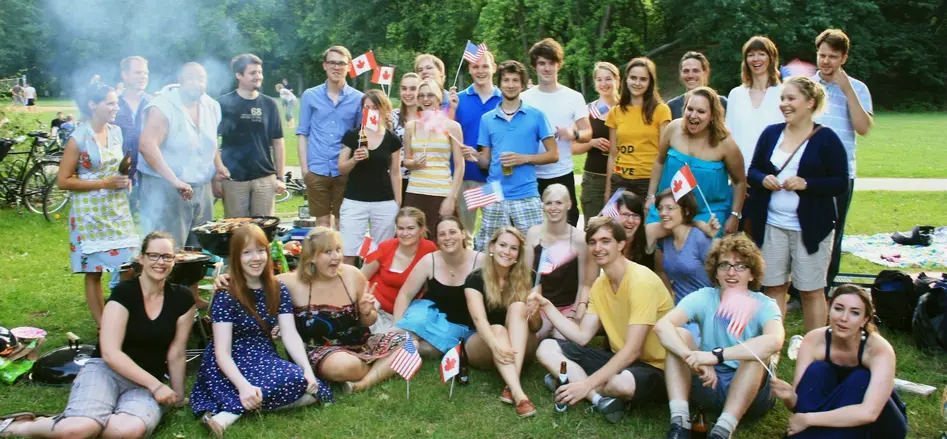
(798, 170)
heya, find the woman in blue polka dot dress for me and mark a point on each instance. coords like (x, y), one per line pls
(241, 370)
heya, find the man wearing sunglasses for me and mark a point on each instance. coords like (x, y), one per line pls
(326, 112)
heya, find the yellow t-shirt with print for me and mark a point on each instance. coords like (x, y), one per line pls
(637, 142)
(641, 299)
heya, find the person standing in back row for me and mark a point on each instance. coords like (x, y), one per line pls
(327, 111)
(695, 72)
(566, 113)
(249, 127)
(131, 117)
(848, 112)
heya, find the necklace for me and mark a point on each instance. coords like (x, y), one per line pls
(510, 113)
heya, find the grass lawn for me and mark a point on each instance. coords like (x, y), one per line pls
(37, 289)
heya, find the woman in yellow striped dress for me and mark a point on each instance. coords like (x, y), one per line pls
(431, 143)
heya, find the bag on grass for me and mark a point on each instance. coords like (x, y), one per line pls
(895, 298)
(930, 316)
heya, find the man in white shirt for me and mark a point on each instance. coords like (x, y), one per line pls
(29, 95)
(568, 117)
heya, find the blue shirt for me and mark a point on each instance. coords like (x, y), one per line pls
(685, 267)
(701, 307)
(131, 121)
(324, 123)
(837, 117)
(469, 111)
(521, 135)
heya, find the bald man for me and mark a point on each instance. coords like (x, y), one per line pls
(179, 157)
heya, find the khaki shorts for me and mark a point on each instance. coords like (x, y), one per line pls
(255, 197)
(325, 194)
(785, 254)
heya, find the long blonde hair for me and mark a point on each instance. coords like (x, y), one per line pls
(318, 240)
(518, 279)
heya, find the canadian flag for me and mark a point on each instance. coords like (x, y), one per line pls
(450, 364)
(370, 119)
(366, 247)
(383, 75)
(683, 182)
(362, 63)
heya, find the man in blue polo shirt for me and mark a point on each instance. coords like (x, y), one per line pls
(848, 111)
(326, 112)
(470, 105)
(509, 141)
(131, 117)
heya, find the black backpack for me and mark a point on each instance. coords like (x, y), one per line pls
(895, 298)
(930, 316)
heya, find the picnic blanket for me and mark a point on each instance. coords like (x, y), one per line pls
(882, 250)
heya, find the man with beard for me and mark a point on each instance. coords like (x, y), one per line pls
(249, 128)
(508, 140)
(178, 157)
(131, 118)
(695, 72)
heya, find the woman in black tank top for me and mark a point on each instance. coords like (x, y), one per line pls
(844, 380)
(439, 318)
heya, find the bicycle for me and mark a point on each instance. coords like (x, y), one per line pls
(294, 186)
(24, 182)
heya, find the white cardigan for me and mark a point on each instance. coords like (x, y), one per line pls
(747, 123)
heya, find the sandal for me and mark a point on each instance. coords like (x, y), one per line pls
(215, 429)
(20, 416)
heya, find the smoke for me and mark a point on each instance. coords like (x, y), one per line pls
(93, 36)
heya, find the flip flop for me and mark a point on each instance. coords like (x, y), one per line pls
(20, 416)
(4, 425)
(215, 429)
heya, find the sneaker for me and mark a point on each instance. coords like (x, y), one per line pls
(793, 350)
(525, 409)
(550, 382)
(507, 396)
(677, 431)
(612, 408)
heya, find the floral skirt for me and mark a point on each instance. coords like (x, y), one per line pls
(378, 346)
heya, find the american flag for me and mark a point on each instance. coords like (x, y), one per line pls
(598, 109)
(407, 361)
(546, 264)
(472, 52)
(611, 207)
(484, 195)
(736, 310)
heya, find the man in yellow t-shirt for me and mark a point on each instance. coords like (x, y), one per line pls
(626, 301)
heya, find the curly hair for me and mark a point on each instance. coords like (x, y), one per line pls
(745, 249)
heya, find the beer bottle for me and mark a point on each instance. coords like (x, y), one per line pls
(463, 376)
(563, 380)
(699, 425)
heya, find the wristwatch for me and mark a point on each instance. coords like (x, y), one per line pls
(281, 179)
(718, 352)
(736, 214)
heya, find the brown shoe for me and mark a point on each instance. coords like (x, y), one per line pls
(507, 396)
(525, 409)
(215, 429)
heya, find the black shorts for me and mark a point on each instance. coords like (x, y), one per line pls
(30, 102)
(649, 380)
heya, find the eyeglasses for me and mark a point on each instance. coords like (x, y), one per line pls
(726, 266)
(427, 96)
(153, 257)
(632, 215)
(336, 64)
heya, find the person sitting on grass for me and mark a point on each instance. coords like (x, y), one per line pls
(844, 381)
(625, 301)
(241, 370)
(120, 391)
(440, 318)
(731, 379)
(496, 299)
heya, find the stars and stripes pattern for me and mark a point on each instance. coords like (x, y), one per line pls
(484, 195)
(611, 207)
(472, 52)
(408, 360)
(736, 310)
(598, 110)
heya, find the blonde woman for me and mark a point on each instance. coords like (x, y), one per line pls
(496, 296)
(607, 83)
(408, 111)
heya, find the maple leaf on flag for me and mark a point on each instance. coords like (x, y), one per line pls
(373, 120)
(677, 186)
(360, 63)
(449, 364)
(385, 75)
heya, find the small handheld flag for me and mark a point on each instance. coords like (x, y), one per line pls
(599, 109)
(684, 182)
(407, 362)
(736, 310)
(383, 75)
(797, 67)
(366, 247)
(450, 364)
(611, 207)
(370, 119)
(362, 63)
(484, 195)
(473, 52)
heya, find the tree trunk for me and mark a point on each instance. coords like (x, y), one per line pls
(603, 26)
(663, 48)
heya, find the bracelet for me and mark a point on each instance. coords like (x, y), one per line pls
(584, 303)
(649, 197)
(737, 214)
(155, 390)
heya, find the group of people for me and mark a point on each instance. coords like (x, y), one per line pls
(23, 95)
(668, 280)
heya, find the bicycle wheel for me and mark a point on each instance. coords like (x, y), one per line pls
(285, 196)
(54, 201)
(38, 178)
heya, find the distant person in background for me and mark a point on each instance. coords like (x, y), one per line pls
(289, 101)
(17, 93)
(56, 124)
(29, 95)
(431, 67)
(848, 112)
(408, 111)
(566, 113)
(102, 234)
(251, 145)
(326, 112)
(754, 105)
(607, 80)
(68, 125)
(285, 84)
(131, 118)
(695, 72)
(635, 130)
(178, 157)
(120, 88)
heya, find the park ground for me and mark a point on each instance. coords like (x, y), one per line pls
(37, 289)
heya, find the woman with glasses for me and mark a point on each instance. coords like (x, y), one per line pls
(121, 391)
(431, 145)
(102, 235)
